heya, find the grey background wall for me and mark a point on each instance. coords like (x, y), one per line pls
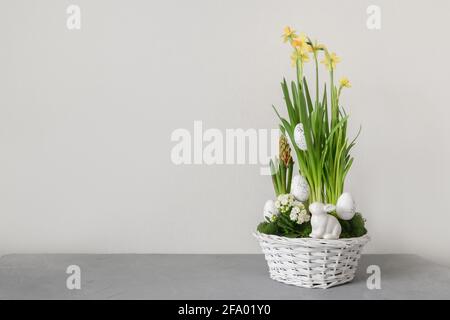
(86, 118)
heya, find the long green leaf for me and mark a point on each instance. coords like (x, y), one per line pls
(293, 117)
(308, 97)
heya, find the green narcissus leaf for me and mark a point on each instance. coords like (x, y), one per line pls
(293, 117)
(308, 97)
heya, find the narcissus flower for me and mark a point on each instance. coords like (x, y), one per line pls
(299, 55)
(300, 43)
(288, 34)
(331, 60)
(344, 82)
(314, 46)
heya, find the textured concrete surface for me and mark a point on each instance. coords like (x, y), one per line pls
(154, 276)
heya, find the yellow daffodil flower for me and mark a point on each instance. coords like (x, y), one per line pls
(344, 82)
(314, 46)
(301, 43)
(331, 60)
(299, 55)
(288, 34)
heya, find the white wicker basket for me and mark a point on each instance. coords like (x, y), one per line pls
(311, 263)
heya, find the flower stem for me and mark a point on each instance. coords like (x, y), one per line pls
(317, 78)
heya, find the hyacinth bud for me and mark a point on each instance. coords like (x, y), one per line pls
(285, 151)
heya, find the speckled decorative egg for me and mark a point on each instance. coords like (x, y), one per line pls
(345, 206)
(299, 137)
(300, 188)
(269, 209)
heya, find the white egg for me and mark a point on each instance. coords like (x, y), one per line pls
(299, 137)
(345, 206)
(270, 210)
(300, 188)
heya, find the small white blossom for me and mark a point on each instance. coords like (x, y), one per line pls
(293, 215)
(277, 204)
(284, 202)
(303, 217)
(291, 200)
(299, 204)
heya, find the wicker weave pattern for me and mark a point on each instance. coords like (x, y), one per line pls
(311, 263)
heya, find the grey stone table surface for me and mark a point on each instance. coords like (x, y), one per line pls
(158, 276)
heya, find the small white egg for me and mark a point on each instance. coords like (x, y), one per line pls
(270, 210)
(345, 206)
(300, 188)
(299, 137)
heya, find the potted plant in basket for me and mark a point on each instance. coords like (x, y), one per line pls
(312, 235)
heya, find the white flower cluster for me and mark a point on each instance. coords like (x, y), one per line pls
(299, 213)
(284, 202)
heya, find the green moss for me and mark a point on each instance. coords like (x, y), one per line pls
(305, 230)
(268, 228)
(354, 227)
(283, 226)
